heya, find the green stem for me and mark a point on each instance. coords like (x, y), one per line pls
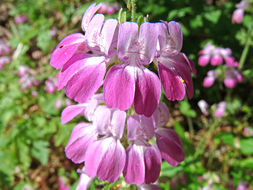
(133, 10)
(246, 49)
(202, 144)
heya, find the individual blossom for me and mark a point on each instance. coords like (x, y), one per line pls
(131, 82)
(51, 85)
(4, 60)
(109, 8)
(216, 57)
(20, 19)
(27, 77)
(242, 186)
(238, 14)
(203, 105)
(4, 48)
(220, 110)
(87, 109)
(210, 78)
(82, 73)
(174, 68)
(232, 77)
(205, 54)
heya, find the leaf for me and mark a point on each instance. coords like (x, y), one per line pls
(213, 16)
(227, 138)
(40, 151)
(247, 163)
(246, 146)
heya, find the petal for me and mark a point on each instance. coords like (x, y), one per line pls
(83, 85)
(139, 128)
(118, 123)
(66, 49)
(108, 34)
(79, 55)
(147, 92)
(149, 187)
(84, 182)
(161, 115)
(173, 86)
(89, 14)
(148, 41)
(82, 136)
(70, 112)
(134, 171)
(106, 159)
(102, 117)
(127, 40)
(152, 164)
(113, 162)
(176, 34)
(170, 146)
(119, 88)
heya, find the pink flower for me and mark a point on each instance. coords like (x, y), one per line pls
(205, 54)
(203, 107)
(242, 186)
(232, 77)
(216, 57)
(174, 68)
(4, 60)
(131, 82)
(238, 14)
(51, 85)
(58, 103)
(209, 79)
(4, 48)
(62, 185)
(20, 19)
(220, 111)
(82, 73)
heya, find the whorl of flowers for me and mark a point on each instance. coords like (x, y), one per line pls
(117, 57)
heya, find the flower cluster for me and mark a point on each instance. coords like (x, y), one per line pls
(20, 19)
(109, 8)
(229, 73)
(27, 77)
(219, 111)
(4, 50)
(84, 60)
(51, 85)
(98, 143)
(238, 14)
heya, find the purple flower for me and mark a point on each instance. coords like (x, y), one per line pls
(220, 111)
(238, 14)
(82, 73)
(4, 60)
(242, 186)
(62, 185)
(232, 77)
(206, 54)
(4, 48)
(216, 57)
(131, 82)
(51, 85)
(210, 78)
(20, 19)
(174, 68)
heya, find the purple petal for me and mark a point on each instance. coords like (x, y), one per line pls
(84, 182)
(66, 49)
(106, 159)
(119, 88)
(148, 41)
(89, 14)
(147, 92)
(173, 86)
(161, 115)
(79, 55)
(134, 171)
(83, 84)
(170, 146)
(118, 123)
(139, 128)
(176, 35)
(82, 136)
(152, 164)
(149, 187)
(70, 112)
(108, 32)
(127, 40)
(102, 117)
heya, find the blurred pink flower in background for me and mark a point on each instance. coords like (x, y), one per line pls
(242, 186)
(232, 77)
(210, 78)
(51, 85)
(220, 110)
(62, 185)
(20, 19)
(109, 8)
(238, 14)
(203, 105)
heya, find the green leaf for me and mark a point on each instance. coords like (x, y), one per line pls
(40, 151)
(247, 163)
(196, 22)
(227, 138)
(213, 16)
(246, 146)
